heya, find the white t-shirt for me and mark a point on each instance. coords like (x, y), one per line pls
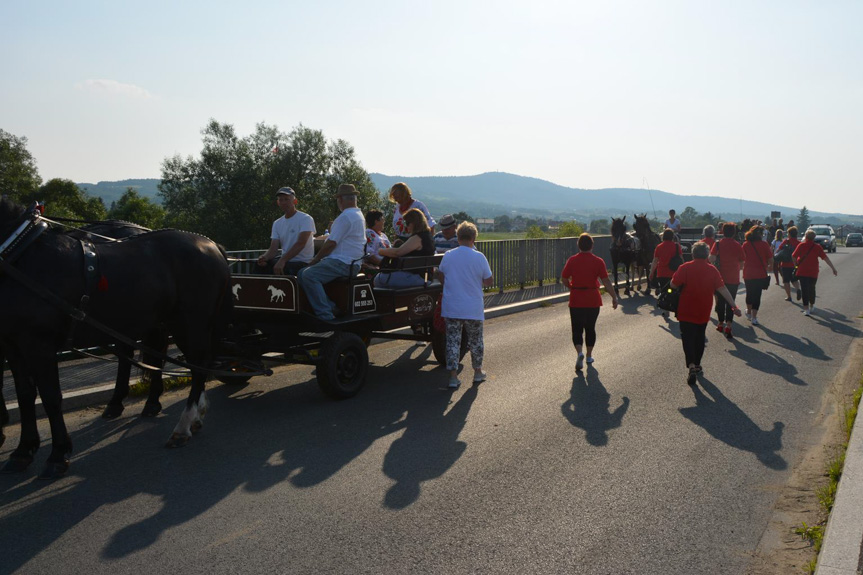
(288, 230)
(676, 225)
(464, 269)
(349, 233)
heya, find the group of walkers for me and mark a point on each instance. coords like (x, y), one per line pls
(709, 281)
(356, 241)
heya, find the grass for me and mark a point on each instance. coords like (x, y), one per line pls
(826, 494)
(142, 387)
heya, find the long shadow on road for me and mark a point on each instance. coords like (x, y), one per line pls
(252, 440)
(722, 419)
(765, 362)
(588, 408)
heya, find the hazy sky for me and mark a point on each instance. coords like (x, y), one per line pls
(757, 99)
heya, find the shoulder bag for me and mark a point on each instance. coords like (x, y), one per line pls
(669, 298)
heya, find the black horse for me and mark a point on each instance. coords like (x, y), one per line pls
(624, 250)
(648, 240)
(157, 281)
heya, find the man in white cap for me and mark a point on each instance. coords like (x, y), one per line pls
(339, 257)
(293, 233)
(445, 240)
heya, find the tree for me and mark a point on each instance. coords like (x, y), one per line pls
(600, 226)
(803, 220)
(689, 217)
(534, 232)
(18, 174)
(502, 223)
(570, 229)
(228, 193)
(463, 217)
(132, 207)
(64, 199)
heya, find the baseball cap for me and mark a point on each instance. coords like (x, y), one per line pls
(287, 191)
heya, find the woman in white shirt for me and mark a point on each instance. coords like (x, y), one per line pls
(375, 237)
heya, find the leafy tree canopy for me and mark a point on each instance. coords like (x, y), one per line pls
(803, 220)
(64, 199)
(571, 229)
(132, 207)
(228, 193)
(600, 226)
(463, 217)
(18, 174)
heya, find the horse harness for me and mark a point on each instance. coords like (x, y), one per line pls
(33, 226)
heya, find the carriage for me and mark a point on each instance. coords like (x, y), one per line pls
(273, 319)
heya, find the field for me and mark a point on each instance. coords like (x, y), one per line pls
(484, 236)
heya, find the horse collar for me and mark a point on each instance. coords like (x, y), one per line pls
(31, 228)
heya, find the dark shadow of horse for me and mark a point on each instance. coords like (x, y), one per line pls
(150, 283)
(588, 408)
(722, 419)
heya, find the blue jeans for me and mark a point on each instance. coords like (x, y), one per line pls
(313, 278)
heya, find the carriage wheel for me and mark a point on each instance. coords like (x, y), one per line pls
(342, 368)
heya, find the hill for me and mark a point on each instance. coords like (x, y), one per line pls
(113, 191)
(496, 193)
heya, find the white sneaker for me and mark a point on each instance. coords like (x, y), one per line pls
(755, 321)
(453, 383)
(748, 315)
(579, 363)
(589, 360)
(806, 312)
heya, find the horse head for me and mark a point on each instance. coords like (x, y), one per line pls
(618, 229)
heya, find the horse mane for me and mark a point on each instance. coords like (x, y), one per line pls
(9, 210)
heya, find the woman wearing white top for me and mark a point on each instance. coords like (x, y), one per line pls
(375, 236)
(400, 193)
(774, 246)
(464, 271)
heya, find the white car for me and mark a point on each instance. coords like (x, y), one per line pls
(825, 236)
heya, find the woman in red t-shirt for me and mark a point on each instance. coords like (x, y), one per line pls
(662, 255)
(787, 268)
(582, 274)
(731, 258)
(756, 270)
(806, 257)
(699, 281)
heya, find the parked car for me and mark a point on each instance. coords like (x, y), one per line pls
(825, 236)
(854, 239)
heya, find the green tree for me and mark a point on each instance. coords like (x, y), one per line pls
(18, 174)
(132, 207)
(534, 233)
(689, 217)
(64, 199)
(803, 221)
(228, 193)
(463, 217)
(600, 226)
(502, 223)
(570, 229)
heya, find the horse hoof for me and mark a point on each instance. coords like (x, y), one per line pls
(112, 412)
(177, 440)
(151, 409)
(16, 465)
(196, 426)
(55, 469)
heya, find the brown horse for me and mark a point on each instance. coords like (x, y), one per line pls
(648, 240)
(624, 250)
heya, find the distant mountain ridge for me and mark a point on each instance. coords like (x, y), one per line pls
(496, 193)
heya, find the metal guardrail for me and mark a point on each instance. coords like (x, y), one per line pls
(514, 263)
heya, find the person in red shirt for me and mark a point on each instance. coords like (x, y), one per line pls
(806, 257)
(662, 256)
(756, 270)
(699, 281)
(709, 233)
(731, 258)
(582, 274)
(786, 268)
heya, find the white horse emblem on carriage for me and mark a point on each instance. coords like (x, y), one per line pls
(236, 289)
(276, 294)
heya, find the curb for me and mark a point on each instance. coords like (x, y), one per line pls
(100, 394)
(842, 550)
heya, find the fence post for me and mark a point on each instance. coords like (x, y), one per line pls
(501, 268)
(522, 262)
(540, 268)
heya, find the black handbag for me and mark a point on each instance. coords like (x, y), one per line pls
(669, 298)
(676, 261)
(784, 254)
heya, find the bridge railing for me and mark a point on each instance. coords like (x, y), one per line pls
(514, 263)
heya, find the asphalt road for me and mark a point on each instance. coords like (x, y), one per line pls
(624, 469)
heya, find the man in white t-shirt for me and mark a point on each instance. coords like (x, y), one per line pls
(293, 233)
(339, 257)
(464, 271)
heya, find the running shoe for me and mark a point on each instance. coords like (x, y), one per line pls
(579, 363)
(755, 321)
(728, 333)
(720, 328)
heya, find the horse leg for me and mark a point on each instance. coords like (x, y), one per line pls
(121, 389)
(4, 413)
(28, 443)
(614, 265)
(48, 381)
(157, 341)
(626, 266)
(193, 414)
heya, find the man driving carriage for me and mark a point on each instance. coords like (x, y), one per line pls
(293, 233)
(339, 257)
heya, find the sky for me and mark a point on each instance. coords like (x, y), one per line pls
(760, 100)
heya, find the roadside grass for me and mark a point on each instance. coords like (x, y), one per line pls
(826, 494)
(142, 387)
